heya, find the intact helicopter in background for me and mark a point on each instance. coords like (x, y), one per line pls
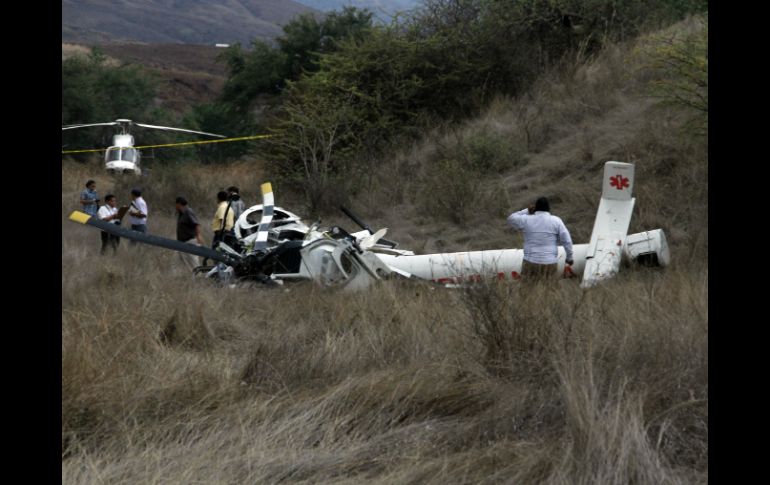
(279, 247)
(122, 157)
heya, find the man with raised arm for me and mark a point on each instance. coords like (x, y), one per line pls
(543, 233)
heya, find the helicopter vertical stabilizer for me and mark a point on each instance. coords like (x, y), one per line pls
(611, 225)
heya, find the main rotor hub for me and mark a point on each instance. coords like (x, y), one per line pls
(124, 125)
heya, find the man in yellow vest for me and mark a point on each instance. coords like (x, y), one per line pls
(224, 219)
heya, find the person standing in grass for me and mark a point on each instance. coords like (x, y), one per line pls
(188, 230)
(236, 203)
(543, 233)
(223, 218)
(89, 198)
(109, 213)
(137, 212)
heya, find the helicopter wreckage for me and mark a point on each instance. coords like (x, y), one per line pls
(272, 245)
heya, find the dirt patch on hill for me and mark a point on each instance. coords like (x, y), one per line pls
(187, 74)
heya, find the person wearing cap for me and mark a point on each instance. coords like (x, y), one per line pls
(188, 230)
(137, 212)
(543, 233)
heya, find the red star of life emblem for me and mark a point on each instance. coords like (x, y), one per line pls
(619, 182)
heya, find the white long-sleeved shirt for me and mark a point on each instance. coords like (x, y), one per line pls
(141, 205)
(542, 235)
(107, 211)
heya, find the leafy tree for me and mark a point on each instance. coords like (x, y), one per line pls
(95, 92)
(262, 70)
(312, 143)
(680, 63)
(220, 118)
(265, 69)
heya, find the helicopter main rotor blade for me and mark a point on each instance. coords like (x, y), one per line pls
(72, 127)
(162, 242)
(267, 216)
(168, 128)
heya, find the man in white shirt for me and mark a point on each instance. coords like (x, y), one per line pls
(543, 233)
(137, 212)
(109, 213)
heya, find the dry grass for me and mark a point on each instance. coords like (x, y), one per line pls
(70, 50)
(78, 50)
(168, 379)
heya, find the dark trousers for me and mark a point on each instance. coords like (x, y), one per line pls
(138, 228)
(110, 240)
(538, 272)
(228, 237)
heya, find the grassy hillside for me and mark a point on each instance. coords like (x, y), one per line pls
(167, 378)
(553, 141)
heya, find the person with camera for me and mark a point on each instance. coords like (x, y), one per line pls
(109, 213)
(89, 198)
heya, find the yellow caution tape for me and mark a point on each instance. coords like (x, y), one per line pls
(224, 140)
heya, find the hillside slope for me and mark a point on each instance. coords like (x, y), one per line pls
(187, 74)
(553, 141)
(185, 21)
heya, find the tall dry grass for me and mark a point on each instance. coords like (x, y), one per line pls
(170, 379)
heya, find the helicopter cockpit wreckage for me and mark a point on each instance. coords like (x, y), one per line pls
(272, 245)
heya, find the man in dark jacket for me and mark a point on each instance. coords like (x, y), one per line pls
(188, 230)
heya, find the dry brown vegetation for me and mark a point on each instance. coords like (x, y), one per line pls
(170, 379)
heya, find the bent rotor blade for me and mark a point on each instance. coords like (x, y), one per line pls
(370, 241)
(168, 128)
(267, 216)
(366, 227)
(162, 242)
(72, 127)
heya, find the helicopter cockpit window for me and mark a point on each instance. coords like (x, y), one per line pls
(113, 155)
(129, 154)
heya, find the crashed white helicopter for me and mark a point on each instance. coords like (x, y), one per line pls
(280, 247)
(122, 157)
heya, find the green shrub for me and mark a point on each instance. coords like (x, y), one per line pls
(678, 62)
